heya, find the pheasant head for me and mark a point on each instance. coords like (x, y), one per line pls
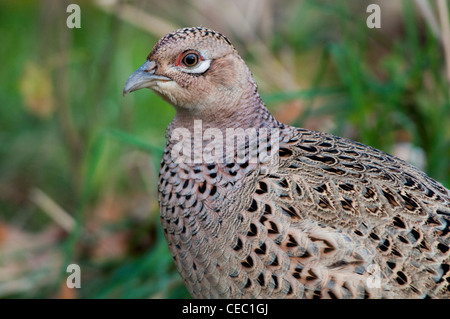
(197, 70)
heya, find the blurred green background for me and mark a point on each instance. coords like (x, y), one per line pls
(79, 163)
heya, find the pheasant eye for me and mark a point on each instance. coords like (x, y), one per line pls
(190, 59)
(192, 62)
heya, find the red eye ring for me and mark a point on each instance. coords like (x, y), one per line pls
(189, 59)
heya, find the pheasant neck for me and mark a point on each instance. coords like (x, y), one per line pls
(246, 117)
(250, 112)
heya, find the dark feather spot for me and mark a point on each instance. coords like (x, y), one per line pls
(356, 167)
(391, 264)
(347, 204)
(262, 188)
(403, 239)
(310, 149)
(261, 250)
(323, 159)
(275, 281)
(351, 153)
(429, 193)
(384, 245)
(283, 183)
(369, 193)
(432, 221)
(285, 152)
(213, 190)
(409, 182)
(390, 198)
(321, 189)
(312, 275)
(298, 190)
(415, 234)
(317, 294)
(305, 254)
(290, 291)
(366, 294)
(248, 262)
(398, 222)
(332, 295)
(274, 261)
(442, 248)
(202, 187)
(325, 144)
(401, 278)
(414, 289)
(372, 210)
(260, 279)
(330, 248)
(253, 230)
(410, 204)
(396, 252)
(346, 187)
(244, 165)
(324, 203)
(291, 241)
(357, 232)
(374, 236)
(273, 229)
(290, 211)
(238, 245)
(424, 245)
(253, 207)
(333, 170)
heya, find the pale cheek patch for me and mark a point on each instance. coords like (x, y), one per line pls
(165, 89)
(168, 85)
(202, 67)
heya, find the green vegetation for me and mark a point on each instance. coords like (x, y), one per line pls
(79, 163)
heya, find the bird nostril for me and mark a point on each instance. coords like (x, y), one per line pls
(149, 67)
(150, 70)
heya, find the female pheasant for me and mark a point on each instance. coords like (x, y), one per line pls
(325, 217)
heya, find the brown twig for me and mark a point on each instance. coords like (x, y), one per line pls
(49, 206)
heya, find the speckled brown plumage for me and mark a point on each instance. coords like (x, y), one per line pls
(333, 215)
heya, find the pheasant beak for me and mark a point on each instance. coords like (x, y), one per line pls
(144, 77)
